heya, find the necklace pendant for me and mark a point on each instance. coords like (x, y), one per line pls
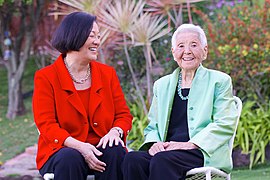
(80, 81)
(83, 81)
(179, 89)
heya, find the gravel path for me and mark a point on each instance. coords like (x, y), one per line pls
(21, 167)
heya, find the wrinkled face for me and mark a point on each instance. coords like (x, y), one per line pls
(188, 51)
(90, 47)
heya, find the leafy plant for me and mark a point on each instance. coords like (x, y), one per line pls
(120, 16)
(172, 9)
(86, 5)
(147, 29)
(253, 132)
(239, 44)
(140, 121)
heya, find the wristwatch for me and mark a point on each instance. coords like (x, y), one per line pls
(119, 130)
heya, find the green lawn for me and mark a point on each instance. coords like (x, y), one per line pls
(16, 135)
(257, 173)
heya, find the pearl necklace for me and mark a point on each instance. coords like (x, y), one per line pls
(80, 81)
(179, 89)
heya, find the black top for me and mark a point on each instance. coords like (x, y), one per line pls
(178, 127)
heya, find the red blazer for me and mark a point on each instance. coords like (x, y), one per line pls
(59, 112)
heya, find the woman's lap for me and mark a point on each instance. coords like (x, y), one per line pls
(72, 159)
(174, 164)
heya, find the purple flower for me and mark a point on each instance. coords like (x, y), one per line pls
(219, 4)
(120, 62)
(230, 3)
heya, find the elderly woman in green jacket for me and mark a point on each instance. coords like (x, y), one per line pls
(192, 116)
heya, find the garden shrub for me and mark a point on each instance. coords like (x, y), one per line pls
(253, 132)
(139, 122)
(239, 44)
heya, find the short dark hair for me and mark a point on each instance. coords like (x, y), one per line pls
(72, 32)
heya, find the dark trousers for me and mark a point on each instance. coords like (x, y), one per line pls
(69, 164)
(172, 165)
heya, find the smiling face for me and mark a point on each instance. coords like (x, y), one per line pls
(188, 51)
(90, 47)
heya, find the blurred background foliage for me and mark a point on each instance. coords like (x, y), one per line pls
(238, 34)
(239, 44)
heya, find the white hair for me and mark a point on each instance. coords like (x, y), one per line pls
(190, 28)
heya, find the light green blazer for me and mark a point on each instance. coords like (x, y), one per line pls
(211, 114)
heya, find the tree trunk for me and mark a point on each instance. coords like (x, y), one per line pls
(146, 51)
(20, 51)
(15, 74)
(134, 77)
(15, 99)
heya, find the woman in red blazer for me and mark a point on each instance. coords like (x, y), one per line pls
(79, 107)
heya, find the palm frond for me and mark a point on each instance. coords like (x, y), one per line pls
(73, 3)
(121, 15)
(159, 6)
(185, 1)
(164, 8)
(68, 6)
(148, 28)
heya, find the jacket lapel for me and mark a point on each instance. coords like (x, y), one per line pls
(168, 97)
(96, 87)
(198, 86)
(172, 86)
(67, 85)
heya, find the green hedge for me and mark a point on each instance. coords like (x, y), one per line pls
(253, 132)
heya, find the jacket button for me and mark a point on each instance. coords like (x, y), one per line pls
(191, 108)
(56, 141)
(192, 119)
(95, 124)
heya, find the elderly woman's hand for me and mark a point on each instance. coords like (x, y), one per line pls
(112, 137)
(172, 145)
(89, 153)
(157, 147)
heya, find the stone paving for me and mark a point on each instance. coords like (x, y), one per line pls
(21, 167)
